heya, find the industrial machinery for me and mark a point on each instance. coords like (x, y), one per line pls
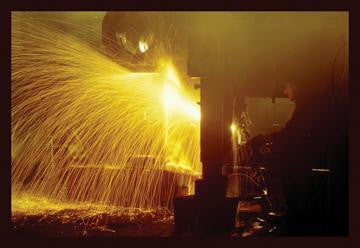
(236, 55)
(162, 110)
(240, 55)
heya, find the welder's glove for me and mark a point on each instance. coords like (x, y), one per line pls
(256, 142)
(261, 148)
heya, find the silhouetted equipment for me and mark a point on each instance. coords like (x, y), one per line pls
(250, 54)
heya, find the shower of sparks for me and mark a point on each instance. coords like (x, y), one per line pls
(87, 130)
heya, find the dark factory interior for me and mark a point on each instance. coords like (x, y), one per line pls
(179, 124)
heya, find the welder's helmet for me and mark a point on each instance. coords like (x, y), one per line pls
(320, 73)
(307, 77)
(288, 89)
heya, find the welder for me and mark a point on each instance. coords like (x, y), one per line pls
(296, 149)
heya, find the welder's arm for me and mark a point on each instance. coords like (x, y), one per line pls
(292, 127)
(275, 140)
(254, 148)
(256, 142)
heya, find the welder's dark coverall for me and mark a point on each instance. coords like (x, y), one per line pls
(296, 149)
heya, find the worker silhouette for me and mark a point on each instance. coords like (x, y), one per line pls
(296, 149)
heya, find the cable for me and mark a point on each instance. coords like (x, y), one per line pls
(263, 188)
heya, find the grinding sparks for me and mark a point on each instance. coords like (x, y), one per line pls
(173, 101)
(85, 129)
(174, 98)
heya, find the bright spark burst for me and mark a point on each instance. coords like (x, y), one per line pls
(85, 129)
(173, 101)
